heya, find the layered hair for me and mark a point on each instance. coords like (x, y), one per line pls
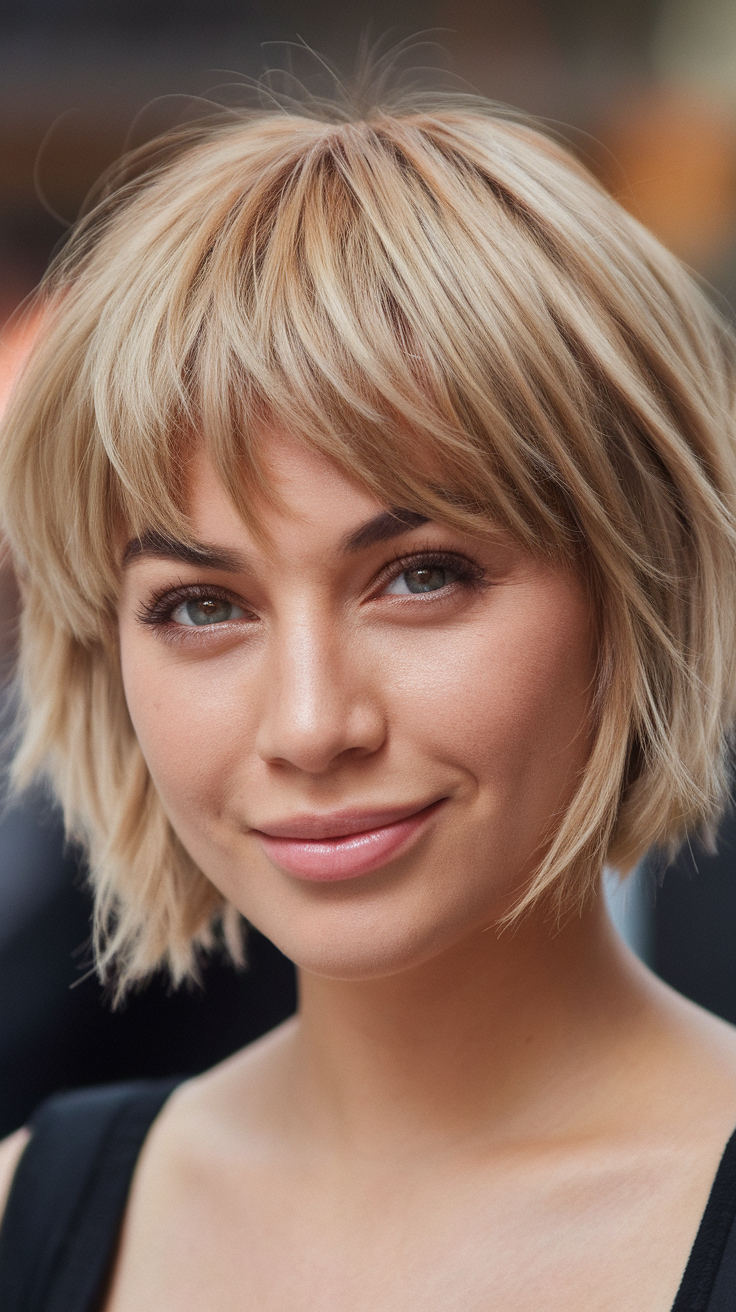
(448, 306)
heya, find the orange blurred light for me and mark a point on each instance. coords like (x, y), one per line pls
(16, 339)
(676, 158)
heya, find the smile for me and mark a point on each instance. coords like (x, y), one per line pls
(343, 845)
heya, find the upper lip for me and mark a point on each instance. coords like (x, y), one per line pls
(340, 824)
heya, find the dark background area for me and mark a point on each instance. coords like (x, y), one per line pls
(645, 91)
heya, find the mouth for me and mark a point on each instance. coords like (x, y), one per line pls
(343, 845)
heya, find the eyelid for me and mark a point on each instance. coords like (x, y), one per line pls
(468, 570)
(434, 556)
(158, 610)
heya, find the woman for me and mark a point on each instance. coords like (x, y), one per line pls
(373, 489)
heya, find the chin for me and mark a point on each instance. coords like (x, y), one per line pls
(390, 921)
(362, 942)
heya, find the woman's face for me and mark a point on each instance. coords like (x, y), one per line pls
(363, 730)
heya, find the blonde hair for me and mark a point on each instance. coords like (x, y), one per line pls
(444, 302)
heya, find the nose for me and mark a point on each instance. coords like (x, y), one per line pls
(319, 707)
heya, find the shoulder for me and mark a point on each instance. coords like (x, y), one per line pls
(681, 1072)
(71, 1138)
(10, 1154)
(67, 1183)
(232, 1111)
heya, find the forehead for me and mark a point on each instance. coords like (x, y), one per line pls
(302, 487)
(307, 497)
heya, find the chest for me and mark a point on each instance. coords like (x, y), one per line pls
(587, 1238)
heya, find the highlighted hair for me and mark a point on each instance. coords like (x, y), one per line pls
(449, 307)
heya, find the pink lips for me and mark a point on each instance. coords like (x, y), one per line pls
(342, 845)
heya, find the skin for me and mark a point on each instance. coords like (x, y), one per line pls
(338, 693)
(459, 1116)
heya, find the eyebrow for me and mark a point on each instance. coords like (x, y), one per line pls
(197, 554)
(382, 527)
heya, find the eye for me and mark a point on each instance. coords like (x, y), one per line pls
(425, 576)
(198, 611)
(430, 572)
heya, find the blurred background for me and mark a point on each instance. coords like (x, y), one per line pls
(644, 90)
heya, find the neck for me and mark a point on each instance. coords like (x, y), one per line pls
(503, 1030)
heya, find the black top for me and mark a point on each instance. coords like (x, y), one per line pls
(68, 1196)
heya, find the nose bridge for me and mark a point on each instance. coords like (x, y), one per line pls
(318, 703)
(310, 686)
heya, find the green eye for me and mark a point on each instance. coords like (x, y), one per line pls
(206, 610)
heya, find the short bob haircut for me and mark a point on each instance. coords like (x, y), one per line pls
(446, 304)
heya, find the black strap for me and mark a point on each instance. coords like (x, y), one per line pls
(68, 1196)
(709, 1282)
(723, 1296)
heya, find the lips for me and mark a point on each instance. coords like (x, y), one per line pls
(344, 844)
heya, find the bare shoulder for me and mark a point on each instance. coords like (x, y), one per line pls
(690, 1059)
(10, 1151)
(240, 1093)
(692, 1025)
(231, 1111)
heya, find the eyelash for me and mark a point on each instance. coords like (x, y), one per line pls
(158, 611)
(467, 572)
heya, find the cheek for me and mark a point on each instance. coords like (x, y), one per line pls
(508, 698)
(190, 730)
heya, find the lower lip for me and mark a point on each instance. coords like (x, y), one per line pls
(329, 859)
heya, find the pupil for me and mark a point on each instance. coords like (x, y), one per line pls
(426, 580)
(208, 611)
